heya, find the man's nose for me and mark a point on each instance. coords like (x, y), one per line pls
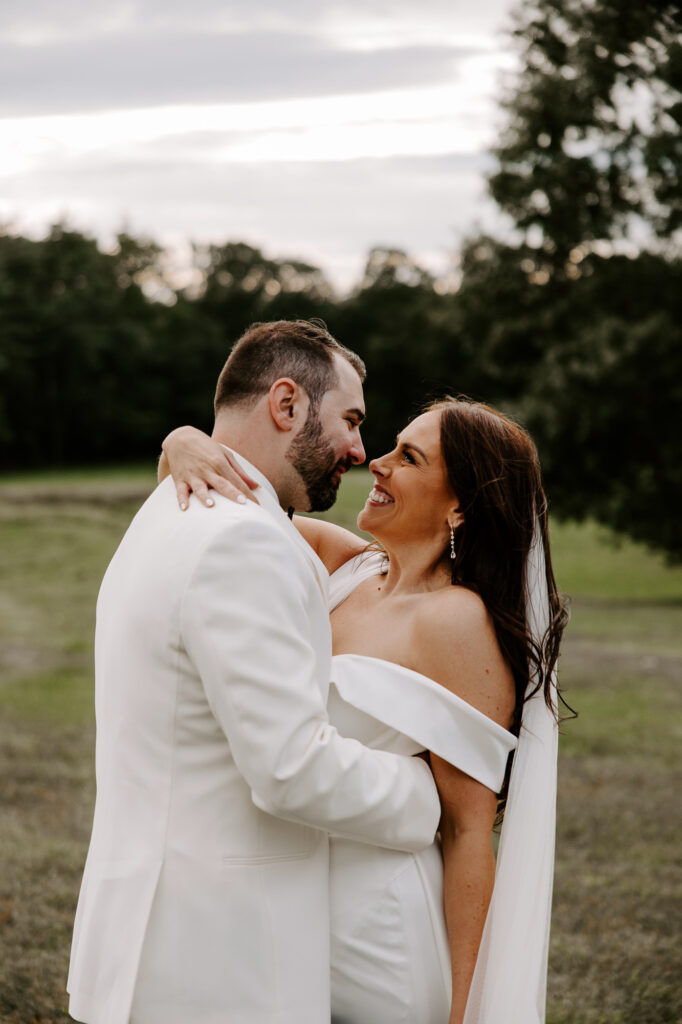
(357, 452)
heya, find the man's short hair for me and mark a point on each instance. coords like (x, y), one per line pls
(300, 349)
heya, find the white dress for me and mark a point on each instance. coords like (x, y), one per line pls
(390, 959)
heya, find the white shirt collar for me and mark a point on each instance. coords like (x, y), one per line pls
(254, 472)
(272, 500)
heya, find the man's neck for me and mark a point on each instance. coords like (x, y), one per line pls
(259, 452)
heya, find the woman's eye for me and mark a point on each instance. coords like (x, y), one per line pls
(406, 457)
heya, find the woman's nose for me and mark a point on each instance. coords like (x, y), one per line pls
(377, 467)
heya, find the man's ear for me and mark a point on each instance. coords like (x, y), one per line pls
(288, 404)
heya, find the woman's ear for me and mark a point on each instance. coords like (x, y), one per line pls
(288, 404)
(455, 518)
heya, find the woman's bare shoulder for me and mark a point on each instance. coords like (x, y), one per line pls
(454, 640)
(332, 544)
(452, 616)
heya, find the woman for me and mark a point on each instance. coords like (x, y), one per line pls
(445, 640)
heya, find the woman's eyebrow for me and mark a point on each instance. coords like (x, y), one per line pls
(412, 447)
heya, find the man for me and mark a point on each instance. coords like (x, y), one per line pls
(212, 653)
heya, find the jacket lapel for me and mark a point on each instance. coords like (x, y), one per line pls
(267, 498)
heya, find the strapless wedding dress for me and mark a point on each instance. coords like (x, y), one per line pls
(390, 959)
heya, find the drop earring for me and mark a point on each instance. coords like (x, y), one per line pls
(453, 553)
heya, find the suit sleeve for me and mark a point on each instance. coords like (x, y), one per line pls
(246, 627)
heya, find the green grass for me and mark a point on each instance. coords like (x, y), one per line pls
(614, 953)
(64, 696)
(590, 562)
(62, 479)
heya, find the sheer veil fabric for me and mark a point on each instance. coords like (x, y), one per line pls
(510, 981)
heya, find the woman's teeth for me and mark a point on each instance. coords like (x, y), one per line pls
(380, 497)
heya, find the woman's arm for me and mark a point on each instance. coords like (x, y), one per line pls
(455, 644)
(332, 544)
(469, 810)
(198, 463)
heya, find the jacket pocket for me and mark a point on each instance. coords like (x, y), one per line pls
(277, 840)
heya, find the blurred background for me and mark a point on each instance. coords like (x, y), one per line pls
(480, 199)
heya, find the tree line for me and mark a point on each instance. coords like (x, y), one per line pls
(572, 321)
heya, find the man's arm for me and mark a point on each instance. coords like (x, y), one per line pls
(245, 624)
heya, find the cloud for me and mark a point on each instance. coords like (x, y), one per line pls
(73, 19)
(288, 125)
(124, 71)
(328, 213)
(428, 120)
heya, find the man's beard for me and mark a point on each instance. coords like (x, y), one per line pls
(312, 456)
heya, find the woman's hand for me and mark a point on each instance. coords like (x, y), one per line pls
(197, 463)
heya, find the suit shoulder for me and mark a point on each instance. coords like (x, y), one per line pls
(233, 536)
(244, 534)
(226, 517)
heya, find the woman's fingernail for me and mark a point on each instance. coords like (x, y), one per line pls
(183, 505)
(210, 502)
(241, 499)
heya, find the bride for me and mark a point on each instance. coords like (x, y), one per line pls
(446, 636)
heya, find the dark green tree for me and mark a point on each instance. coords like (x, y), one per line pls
(75, 334)
(100, 356)
(592, 146)
(405, 327)
(241, 285)
(575, 314)
(237, 286)
(607, 403)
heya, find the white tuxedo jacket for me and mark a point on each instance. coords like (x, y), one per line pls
(212, 662)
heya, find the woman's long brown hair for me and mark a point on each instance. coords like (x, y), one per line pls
(494, 470)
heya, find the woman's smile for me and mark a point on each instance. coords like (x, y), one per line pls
(378, 496)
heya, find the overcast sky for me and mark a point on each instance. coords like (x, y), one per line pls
(311, 128)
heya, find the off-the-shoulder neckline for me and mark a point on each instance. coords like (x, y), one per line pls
(447, 694)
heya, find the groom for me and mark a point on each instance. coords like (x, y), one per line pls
(204, 898)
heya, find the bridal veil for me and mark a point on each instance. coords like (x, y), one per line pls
(510, 980)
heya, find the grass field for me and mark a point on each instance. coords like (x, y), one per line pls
(615, 934)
